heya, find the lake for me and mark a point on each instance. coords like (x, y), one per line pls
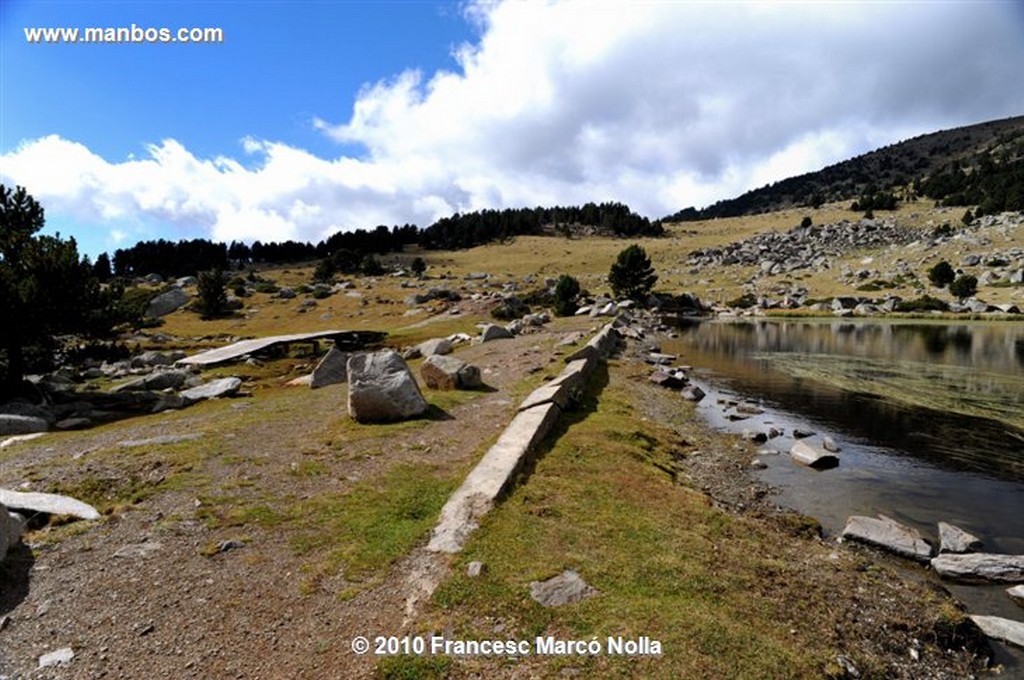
(929, 416)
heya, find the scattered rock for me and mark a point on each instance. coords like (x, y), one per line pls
(331, 370)
(142, 550)
(448, 373)
(493, 332)
(1016, 594)
(673, 380)
(475, 568)
(381, 388)
(57, 657)
(829, 444)
(160, 380)
(999, 628)
(693, 393)
(434, 346)
(565, 588)
(980, 567)
(805, 454)
(800, 433)
(225, 546)
(888, 534)
(660, 359)
(953, 539)
(223, 387)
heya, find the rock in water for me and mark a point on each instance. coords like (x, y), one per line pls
(381, 388)
(953, 539)
(565, 588)
(999, 628)
(888, 534)
(50, 503)
(448, 373)
(1016, 594)
(980, 567)
(804, 453)
(331, 370)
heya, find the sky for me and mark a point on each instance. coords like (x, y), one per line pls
(312, 117)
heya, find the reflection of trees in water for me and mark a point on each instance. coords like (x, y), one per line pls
(997, 347)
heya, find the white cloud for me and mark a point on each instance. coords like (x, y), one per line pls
(657, 104)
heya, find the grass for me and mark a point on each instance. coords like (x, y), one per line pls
(666, 563)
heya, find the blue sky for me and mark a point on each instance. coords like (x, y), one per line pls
(312, 117)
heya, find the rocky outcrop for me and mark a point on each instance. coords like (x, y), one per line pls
(165, 303)
(888, 534)
(381, 388)
(13, 424)
(448, 373)
(980, 567)
(158, 380)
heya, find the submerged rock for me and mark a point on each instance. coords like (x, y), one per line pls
(980, 567)
(888, 534)
(953, 539)
(805, 454)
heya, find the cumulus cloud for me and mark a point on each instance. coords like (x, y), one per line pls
(660, 105)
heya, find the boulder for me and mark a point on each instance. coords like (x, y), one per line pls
(692, 393)
(381, 388)
(165, 303)
(12, 423)
(434, 346)
(756, 436)
(159, 380)
(805, 454)
(830, 445)
(673, 380)
(980, 567)
(448, 373)
(493, 332)
(50, 503)
(888, 534)
(953, 539)
(566, 588)
(999, 628)
(153, 358)
(331, 370)
(1016, 594)
(222, 387)
(5, 532)
(15, 528)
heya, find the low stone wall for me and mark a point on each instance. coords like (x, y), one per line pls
(537, 414)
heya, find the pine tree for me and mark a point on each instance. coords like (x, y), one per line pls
(632, 275)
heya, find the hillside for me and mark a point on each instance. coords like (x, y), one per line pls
(890, 168)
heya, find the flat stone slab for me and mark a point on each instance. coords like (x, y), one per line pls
(58, 657)
(953, 539)
(559, 394)
(980, 567)
(492, 475)
(805, 454)
(20, 438)
(50, 503)
(566, 588)
(162, 439)
(996, 627)
(888, 534)
(241, 348)
(1016, 594)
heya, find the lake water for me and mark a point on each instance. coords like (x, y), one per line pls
(929, 416)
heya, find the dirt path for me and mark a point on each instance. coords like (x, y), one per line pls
(146, 592)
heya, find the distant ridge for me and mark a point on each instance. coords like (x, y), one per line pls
(883, 170)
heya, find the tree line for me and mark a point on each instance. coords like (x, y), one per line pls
(185, 258)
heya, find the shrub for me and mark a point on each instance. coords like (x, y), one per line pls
(212, 294)
(744, 301)
(324, 272)
(371, 266)
(964, 287)
(942, 274)
(925, 303)
(567, 289)
(632, 275)
(418, 266)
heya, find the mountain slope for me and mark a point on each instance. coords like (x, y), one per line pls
(883, 170)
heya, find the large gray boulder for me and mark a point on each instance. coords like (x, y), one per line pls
(980, 567)
(888, 534)
(158, 380)
(12, 423)
(381, 388)
(331, 370)
(222, 387)
(448, 373)
(492, 332)
(165, 303)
